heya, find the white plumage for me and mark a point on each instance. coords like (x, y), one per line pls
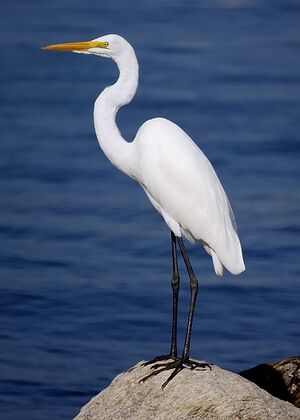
(178, 179)
(184, 188)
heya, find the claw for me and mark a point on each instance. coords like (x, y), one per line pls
(158, 365)
(159, 359)
(177, 364)
(173, 374)
(153, 374)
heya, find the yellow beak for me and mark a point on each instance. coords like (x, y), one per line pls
(77, 46)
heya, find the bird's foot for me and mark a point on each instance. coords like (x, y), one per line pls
(177, 365)
(160, 359)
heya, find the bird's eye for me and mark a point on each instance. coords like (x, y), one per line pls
(105, 44)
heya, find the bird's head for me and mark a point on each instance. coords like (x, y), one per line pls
(110, 46)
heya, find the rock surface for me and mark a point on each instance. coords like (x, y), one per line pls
(281, 379)
(193, 394)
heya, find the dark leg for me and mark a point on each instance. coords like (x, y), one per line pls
(175, 286)
(194, 292)
(185, 361)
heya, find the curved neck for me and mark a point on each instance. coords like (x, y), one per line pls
(115, 147)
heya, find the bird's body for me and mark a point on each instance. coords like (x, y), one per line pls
(183, 187)
(175, 174)
(177, 177)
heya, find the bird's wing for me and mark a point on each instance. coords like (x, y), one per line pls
(182, 183)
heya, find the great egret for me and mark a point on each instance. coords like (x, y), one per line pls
(176, 176)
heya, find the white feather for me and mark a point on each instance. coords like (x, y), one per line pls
(175, 174)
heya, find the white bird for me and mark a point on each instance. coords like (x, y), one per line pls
(176, 176)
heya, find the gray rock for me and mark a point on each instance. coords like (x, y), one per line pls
(281, 379)
(193, 394)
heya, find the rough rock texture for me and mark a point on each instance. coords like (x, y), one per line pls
(281, 379)
(208, 394)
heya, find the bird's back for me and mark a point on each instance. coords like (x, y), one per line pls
(183, 186)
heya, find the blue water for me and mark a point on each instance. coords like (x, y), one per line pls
(85, 260)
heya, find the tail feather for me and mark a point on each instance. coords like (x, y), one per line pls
(218, 266)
